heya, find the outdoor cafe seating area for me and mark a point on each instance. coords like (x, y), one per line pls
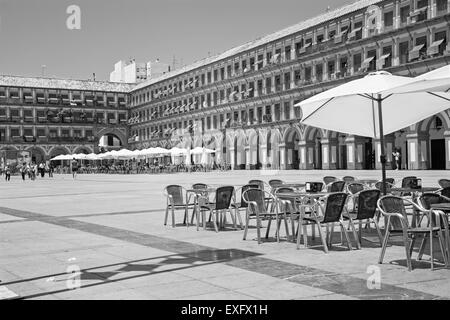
(307, 213)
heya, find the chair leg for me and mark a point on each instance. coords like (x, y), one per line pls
(286, 227)
(258, 228)
(166, 216)
(408, 256)
(355, 234)
(268, 227)
(330, 237)
(214, 220)
(442, 247)
(380, 236)
(238, 214)
(411, 247)
(247, 221)
(431, 250)
(305, 236)
(383, 246)
(173, 217)
(422, 248)
(349, 244)
(322, 237)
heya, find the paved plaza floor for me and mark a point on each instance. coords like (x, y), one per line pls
(102, 237)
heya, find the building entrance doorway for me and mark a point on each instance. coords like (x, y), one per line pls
(438, 154)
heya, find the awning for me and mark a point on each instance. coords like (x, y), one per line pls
(415, 52)
(275, 58)
(418, 11)
(434, 48)
(380, 61)
(353, 33)
(366, 62)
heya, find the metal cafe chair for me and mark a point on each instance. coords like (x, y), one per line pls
(331, 213)
(262, 186)
(329, 179)
(354, 188)
(220, 206)
(348, 179)
(258, 210)
(275, 183)
(176, 201)
(445, 192)
(242, 204)
(288, 207)
(425, 201)
(365, 208)
(393, 208)
(336, 186)
(444, 183)
(379, 186)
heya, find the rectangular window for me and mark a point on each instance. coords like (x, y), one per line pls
(287, 53)
(403, 52)
(442, 6)
(404, 14)
(388, 19)
(357, 62)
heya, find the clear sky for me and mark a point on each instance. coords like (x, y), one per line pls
(34, 33)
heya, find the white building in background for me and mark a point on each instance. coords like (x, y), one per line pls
(156, 69)
(137, 72)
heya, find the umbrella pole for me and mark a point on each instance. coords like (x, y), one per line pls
(383, 151)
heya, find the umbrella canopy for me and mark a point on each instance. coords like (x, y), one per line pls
(372, 107)
(158, 152)
(106, 156)
(124, 154)
(436, 81)
(92, 156)
(178, 151)
(62, 157)
(197, 151)
(79, 156)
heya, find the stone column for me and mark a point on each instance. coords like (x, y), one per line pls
(263, 151)
(232, 158)
(248, 165)
(418, 150)
(355, 152)
(329, 154)
(389, 142)
(447, 149)
(282, 148)
(307, 150)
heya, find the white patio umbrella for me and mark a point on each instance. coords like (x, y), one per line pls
(124, 154)
(204, 159)
(178, 151)
(372, 107)
(435, 82)
(197, 151)
(187, 160)
(92, 157)
(159, 152)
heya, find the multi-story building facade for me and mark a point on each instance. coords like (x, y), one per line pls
(241, 102)
(49, 117)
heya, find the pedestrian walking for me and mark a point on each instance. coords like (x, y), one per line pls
(74, 168)
(397, 156)
(23, 170)
(50, 170)
(7, 173)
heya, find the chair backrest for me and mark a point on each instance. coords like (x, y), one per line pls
(391, 181)
(446, 192)
(274, 183)
(379, 186)
(199, 186)
(284, 190)
(334, 206)
(393, 204)
(348, 179)
(444, 183)
(260, 183)
(223, 197)
(427, 199)
(314, 186)
(336, 186)
(407, 181)
(367, 203)
(258, 196)
(355, 187)
(244, 204)
(329, 179)
(176, 192)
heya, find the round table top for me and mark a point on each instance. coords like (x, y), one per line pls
(364, 181)
(422, 190)
(441, 206)
(301, 194)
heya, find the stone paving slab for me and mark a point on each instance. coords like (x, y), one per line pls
(111, 226)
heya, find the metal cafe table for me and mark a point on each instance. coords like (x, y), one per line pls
(367, 182)
(202, 194)
(298, 198)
